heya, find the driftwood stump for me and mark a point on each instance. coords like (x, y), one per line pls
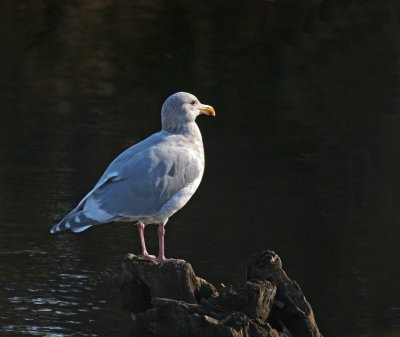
(169, 300)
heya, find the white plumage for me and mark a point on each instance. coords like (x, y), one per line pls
(150, 181)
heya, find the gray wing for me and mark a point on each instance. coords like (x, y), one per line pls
(137, 184)
(147, 182)
(114, 170)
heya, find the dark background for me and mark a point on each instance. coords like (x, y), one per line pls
(302, 158)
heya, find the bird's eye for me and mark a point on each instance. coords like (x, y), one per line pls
(193, 102)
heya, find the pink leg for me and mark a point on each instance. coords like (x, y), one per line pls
(161, 257)
(145, 254)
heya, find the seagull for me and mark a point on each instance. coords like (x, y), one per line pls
(151, 180)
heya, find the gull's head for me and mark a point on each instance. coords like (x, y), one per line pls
(181, 108)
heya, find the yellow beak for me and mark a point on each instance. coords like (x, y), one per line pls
(207, 110)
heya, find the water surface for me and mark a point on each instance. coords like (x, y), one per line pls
(302, 158)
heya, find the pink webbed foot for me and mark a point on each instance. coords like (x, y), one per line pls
(145, 254)
(163, 259)
(148, 256)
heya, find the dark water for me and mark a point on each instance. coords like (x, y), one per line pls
(303, 156)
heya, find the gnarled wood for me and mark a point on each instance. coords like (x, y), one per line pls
(169, 300)
(291, 310)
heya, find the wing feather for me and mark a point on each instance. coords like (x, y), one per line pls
(138, 182)
(147, 181)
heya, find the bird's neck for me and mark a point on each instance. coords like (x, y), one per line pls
(189, 129)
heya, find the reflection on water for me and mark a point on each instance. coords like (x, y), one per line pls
(303, 156)
(40, 301)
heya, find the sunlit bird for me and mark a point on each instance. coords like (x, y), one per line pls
(151, 180)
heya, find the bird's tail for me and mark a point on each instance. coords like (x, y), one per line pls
(75, 221)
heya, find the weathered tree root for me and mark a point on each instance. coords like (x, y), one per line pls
(169, 300)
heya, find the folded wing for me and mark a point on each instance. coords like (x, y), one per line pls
(137, 184)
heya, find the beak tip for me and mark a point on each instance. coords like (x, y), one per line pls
(207, 110)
